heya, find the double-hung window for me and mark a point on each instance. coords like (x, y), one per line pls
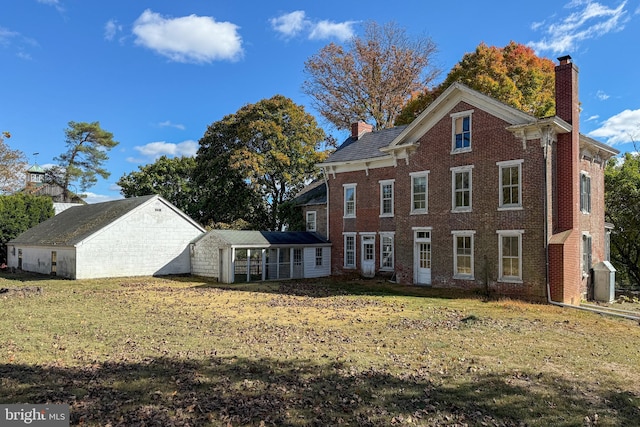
(349, 200)
(461, 132)
(319, 257)
(585, 193)
(463, 254)
(586, 254)
(311, 220)
(386, 251)
(349, 250)
(419, 192)
(386, 197)
(510, 256)
(461, 188)
(510, 177)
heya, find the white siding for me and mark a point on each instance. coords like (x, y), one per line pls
(153, 239)
(38, 259)
(311, 270)
(205, 258)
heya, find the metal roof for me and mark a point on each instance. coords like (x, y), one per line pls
(268, 238)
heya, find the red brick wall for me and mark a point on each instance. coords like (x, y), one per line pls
(491, 143)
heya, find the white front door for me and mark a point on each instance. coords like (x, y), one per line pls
(422, 257)
(368, 264)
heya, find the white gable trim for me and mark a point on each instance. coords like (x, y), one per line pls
(442, 106)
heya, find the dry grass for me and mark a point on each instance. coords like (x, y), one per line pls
(151, 351)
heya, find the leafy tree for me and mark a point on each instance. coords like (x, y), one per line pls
(13, 165)
(371, 78)
(87, 148)
(19, 212)
(622, 208)
(252, 161)
(170, 178)
(512, 74)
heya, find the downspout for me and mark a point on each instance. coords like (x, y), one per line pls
(612, 312)
(326, 186)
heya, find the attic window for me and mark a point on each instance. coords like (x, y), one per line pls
(461, 132)
(158, 209)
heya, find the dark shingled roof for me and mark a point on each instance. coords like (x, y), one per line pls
(366, 147)
(313, 194)
(268, 238)
(77, 223)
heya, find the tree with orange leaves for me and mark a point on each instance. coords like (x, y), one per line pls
(513, 74)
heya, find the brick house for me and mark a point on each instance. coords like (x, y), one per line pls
(473, 194)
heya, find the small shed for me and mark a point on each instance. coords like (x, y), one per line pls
(138, 236)
(246, 255)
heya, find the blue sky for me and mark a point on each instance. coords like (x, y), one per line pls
(157, 73)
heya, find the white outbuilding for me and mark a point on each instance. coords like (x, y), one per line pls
(138, 236)
(245, 256)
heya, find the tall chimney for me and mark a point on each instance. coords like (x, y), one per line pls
(568, 173)
(359, 128)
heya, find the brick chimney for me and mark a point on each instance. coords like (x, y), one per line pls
(360, 128)
(568, 173)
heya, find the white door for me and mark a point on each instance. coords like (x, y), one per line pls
(422, 257)
(368, 264)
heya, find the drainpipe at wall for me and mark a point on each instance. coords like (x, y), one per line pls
(611, 312)
(326, 186)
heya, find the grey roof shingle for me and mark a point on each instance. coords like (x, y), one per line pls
(366, 147)
(77, 223)
(313, 194)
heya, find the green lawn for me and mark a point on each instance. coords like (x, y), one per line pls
(152, 351)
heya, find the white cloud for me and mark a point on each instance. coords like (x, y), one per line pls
(327, 29)
(592, 118)
(190, 39)
(601, 95)
(621, 128)
(168, 123)
(290, 24)
(295, 23)
(111, 28)
(99, 198)
(155, 150)
(591, 20)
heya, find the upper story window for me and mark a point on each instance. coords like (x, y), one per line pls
(36, 177)
(510, 184)
(386, 197)
(311, 220)
(585, 193)
(419, 192)
(461, 133)
(349, 200)
(461, 188)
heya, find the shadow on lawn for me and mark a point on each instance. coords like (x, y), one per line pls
(235, 391)
(328, 287)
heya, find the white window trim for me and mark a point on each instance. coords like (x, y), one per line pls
(463, 233)
(454, 116)
(391, 235)
(344, 197)
(454, 171)
(510, 233)
(315, 219)
(509, 164)
(585, 235)
(355, 250)
(585, 174)
(382, 184)
(321, 258)
(413, 175)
